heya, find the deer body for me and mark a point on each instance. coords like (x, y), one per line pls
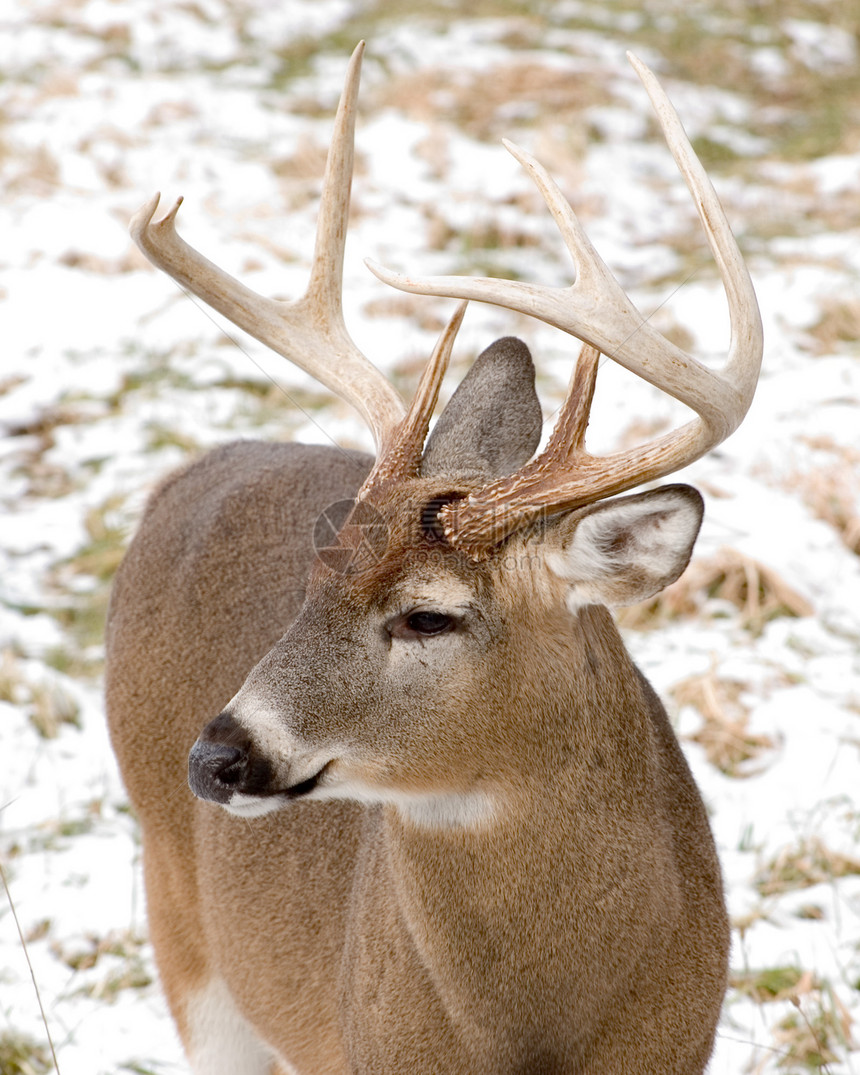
(442, 824)
(333, 922)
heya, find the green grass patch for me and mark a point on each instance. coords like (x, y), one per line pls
(808, 863)
(769, 984)
(23, 1055)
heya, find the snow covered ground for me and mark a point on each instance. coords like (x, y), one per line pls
(109, 376)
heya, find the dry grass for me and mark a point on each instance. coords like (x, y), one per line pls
(714, 586)
(107, 537)
(51, 708)
(810, 102)
(808, 863)
(417, 309)
(22, 1055)
(772, 983)
(832, 496)
(45, 477)
(816, 1034)
(35, 172)
(119, 956)
(832, 490)
(812, 1036)
(838, 323)
(490, 236)
(10, 676)
(724, 735)
(489, 104)
(47, 704)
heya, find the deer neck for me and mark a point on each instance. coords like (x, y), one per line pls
(569, 844)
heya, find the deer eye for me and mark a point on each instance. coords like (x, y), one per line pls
(429, 623)
(421, 625)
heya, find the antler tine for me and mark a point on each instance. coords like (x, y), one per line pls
(596, 310)
(568, 437)
(402, 458)
(309, 331)
(745, 350)
(326, 279)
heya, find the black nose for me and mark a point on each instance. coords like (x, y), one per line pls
(214, 770)
(222, 762)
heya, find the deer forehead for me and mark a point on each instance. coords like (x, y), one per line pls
(437, 589)
(515, 578)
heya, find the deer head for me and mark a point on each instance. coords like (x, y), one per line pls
(463, 553)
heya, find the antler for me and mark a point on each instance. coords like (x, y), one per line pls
(596, 310)
(309, 331)
(402, 457)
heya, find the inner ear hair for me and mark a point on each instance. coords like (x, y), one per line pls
(626, 550)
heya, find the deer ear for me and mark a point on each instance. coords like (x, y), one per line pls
(492, 423)
(626, 550)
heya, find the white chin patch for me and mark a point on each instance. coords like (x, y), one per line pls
(253, 806)
(466, 810)
(442, 810)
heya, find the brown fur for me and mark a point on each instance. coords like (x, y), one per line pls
(581, 931)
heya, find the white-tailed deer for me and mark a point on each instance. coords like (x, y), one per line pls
(455, 832)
